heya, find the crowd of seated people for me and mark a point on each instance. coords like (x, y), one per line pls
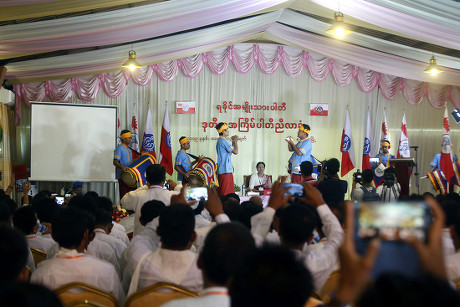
(231, 254)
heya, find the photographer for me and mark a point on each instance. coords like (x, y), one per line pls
(366, 192)
(390, 189)
(332, 188)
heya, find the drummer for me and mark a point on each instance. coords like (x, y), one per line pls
(183, 162)
(122, 158)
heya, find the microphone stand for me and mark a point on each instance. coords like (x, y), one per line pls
(417, 179)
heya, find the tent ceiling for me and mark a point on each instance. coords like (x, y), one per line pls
(46, 39)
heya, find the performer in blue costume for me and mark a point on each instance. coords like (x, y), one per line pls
(122, 158)
(301, 152)
(183, 162)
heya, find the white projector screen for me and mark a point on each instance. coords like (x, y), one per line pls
(70, 142)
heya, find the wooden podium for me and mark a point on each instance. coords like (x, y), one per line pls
(403, 167)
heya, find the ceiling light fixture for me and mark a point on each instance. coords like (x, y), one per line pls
(131, 63)
(338, 28)
(433, 68)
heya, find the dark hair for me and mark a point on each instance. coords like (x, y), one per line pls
(25, 219)
(231, 207)
(155, 174)
(306, 168)
(219, 125)
(5, 212)
(176, 226)
(123, 132)
(7, 200)
(368, 175)
(424, 290)
(40, 195)
(257, 165)
(249, 209)
(296, 224)
(103, 217)
(84, 202)
(27, 294)
(92, 194)
(226, 245)
(307, 127)
(234, 195)
(450, 204)
(332, 166)
(105, 203)
(271, 276)
(13, 253)
(45, 209)
(151, 210)
(181, 138)
(69, 225)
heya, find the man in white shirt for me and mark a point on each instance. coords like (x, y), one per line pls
(25, 220)
(146, 241)
(153, 190)
(72, 230)
(118, 231)
(173, 262)
(103, 222)
(390, 190)
(296, 229)
(224, 249)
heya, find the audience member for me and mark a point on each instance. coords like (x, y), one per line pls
(28, 295)
(366, 192)
(306, 170)
(118, 230)
(13, 254)
(453, 260)
(25, 220)
(332, 188)
(103, 228)
(259, 181)
(153, 190)
(73, 230)
(271, 276)
(225, 247)
(173, 262)
(390, 189)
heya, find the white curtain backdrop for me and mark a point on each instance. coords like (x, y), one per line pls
(259, 89)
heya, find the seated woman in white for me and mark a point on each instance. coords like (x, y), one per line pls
(260, 181)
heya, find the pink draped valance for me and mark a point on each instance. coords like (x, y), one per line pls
(243, 57)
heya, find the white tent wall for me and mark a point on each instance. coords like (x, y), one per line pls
(209, 90)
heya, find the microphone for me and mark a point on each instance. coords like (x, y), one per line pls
(415, 147)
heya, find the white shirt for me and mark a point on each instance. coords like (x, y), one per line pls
(119, 234)
(389, 193)
(447, 243)
(117, 245)
(69, 266)
(135, 200)
(147, 241)
(38, 242)
(453, 266)
(165, 265)
(320, 261)
(96, 248)
(209, 297)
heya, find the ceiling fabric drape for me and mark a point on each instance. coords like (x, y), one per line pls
(242, 57)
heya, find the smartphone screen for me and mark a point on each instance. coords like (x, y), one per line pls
(295, 189)
(59, 200)
(200, 194)
(392, 221)
(19, 184)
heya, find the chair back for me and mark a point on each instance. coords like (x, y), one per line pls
(38, 255)
(246, 181)
(86, 292)
(154, 295)
(330, 286)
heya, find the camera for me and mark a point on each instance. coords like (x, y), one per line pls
(358, 176)
(389, 179)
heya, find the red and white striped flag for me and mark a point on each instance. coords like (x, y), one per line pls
(384, 133)
(165, 145)
(404, 151)
(446, 163)
(347, 149)
(369, 146)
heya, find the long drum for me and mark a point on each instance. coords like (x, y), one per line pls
(204, 174)
(136, 170)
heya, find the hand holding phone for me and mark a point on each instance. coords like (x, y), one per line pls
(199, 194)
(295, 189)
